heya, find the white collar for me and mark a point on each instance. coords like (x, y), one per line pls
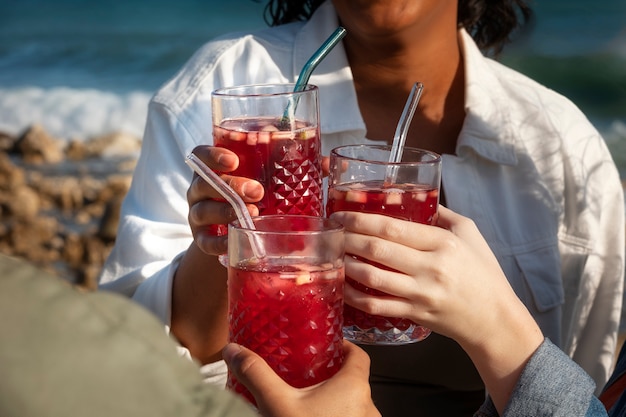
(487, 128)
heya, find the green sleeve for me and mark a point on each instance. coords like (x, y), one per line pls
(69, 353)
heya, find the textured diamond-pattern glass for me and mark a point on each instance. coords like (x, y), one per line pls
(280, 150)
(379, 330)
(297, 329)
(288, 306)
(297, 185)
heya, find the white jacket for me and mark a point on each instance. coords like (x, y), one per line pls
(529, 169)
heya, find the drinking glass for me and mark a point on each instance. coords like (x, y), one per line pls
(362, 179)
(275, 132)
(287, 306)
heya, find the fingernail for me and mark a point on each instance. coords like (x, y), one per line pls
(227, 160)
(252, 190)
(230, 352)
(337, 216)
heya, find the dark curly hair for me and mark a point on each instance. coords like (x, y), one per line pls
(490, 22)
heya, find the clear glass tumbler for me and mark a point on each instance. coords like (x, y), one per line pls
(362, 179)
(275, 132)
(287, 305)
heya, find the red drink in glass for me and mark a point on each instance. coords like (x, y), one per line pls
(413, 202)
(285, 295)
(363, 180)
(286, 162)
(290, 316)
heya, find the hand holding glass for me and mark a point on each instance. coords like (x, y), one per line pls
(359, 181)
(288, 305)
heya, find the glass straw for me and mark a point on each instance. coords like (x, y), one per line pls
(401, 132)
(307, 70)
(318, 56)
(230, 195)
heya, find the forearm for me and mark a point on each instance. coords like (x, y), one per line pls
(200, 305)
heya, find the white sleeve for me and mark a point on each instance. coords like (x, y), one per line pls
(215, 373)
(153, 229)
(212, 373)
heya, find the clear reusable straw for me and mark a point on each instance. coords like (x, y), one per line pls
(318, 56)
(307, 70)
(402, 129)
(230, 195)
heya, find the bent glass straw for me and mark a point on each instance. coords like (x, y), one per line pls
(401, 132)
(230, 195)
(307, 70)
(318, 56)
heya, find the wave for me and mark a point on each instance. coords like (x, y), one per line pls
(69, 113)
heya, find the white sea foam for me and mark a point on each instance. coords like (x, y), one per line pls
(68, 113)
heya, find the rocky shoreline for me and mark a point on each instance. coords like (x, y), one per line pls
(60, 199)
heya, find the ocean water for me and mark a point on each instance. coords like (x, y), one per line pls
(86, 68)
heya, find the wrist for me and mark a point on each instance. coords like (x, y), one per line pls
(501, 354)
(200, 305)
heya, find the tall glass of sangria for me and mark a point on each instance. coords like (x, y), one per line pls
(362, 179)
(287, 303)
(275, 132)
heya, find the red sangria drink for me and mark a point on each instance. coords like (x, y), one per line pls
(275, 133)
(291, 316)
(287, 306)
(414, 202)
(359, 181)
(287, 162)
